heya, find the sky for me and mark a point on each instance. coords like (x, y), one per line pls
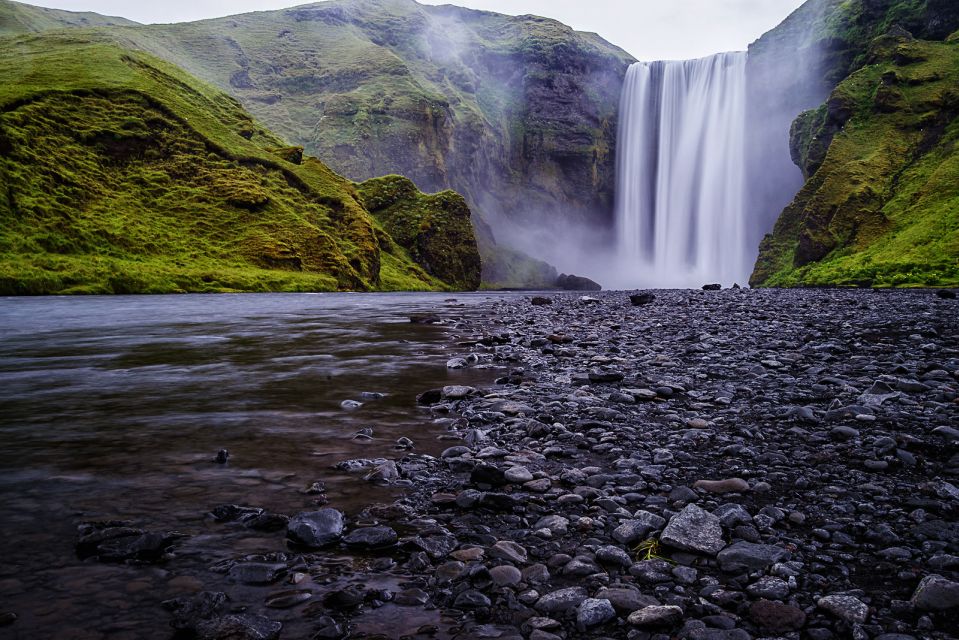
(648, 29)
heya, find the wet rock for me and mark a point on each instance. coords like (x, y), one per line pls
(593, 612)
(240, 626)
(626, 600)
(288, 599)
(936, 593)
(413, 597)
(222, 456)
(343, 599)
(371, 537)
(695, 530)
(712, 287)
(7, 618)
(656, 617)
(776, 617)
(118, 542)
(257, 573)
(351, 405)
(316, 529)
(847, 608)
(457, 392)
(189, 611)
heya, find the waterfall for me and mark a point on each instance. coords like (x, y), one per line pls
(680, 206)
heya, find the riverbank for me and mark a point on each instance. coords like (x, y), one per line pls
(706, 465)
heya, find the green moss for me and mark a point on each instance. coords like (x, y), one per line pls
(435, 230)
(122, 174)
(883, 207)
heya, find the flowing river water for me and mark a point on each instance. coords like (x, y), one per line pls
(114, 407)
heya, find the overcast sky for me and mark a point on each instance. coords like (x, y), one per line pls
(648, 29)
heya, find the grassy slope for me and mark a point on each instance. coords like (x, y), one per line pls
(17, 18)
(448, 97)
(121, 173)
(882, 204)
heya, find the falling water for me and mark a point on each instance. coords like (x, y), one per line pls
(680, 172)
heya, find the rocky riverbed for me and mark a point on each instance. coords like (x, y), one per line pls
(703, 465)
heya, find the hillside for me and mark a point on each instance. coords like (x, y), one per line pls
(877, 158)
(123, 174)
(516, 113)
(881, 205)
(17, 18)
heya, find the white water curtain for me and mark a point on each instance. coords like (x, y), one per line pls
(680, 206)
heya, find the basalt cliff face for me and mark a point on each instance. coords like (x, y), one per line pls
(875, 82)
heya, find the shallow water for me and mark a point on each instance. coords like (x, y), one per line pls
(113, 408)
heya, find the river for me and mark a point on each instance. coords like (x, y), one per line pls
(114, 408)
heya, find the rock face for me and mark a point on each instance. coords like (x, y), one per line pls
(876, 153)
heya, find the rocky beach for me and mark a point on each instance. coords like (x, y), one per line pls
(703, 465)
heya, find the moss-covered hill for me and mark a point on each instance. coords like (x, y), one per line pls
(17, 18)
(120, 173)
(881, 206)
(516, 113)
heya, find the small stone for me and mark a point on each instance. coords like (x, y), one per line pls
(540, 301)
(769, 587)
(656, 616)
(350, 405)
(518, 475)
(732, 485)
(506, 576)
(936, 593)
(508, 550)
(776, 617)
(847, 608)
(457, 392)
(696, 530)
(287, 599)
(561, 601)
(222, 456)
(316, 529)
(750, 556)
(371, 537)
(593, 612)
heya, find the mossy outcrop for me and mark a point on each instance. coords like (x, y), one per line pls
(881, 203)
(435, 230)
(120, 173)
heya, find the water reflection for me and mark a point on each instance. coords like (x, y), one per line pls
(113, 407)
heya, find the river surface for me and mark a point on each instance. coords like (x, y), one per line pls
(114, 407)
